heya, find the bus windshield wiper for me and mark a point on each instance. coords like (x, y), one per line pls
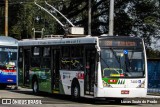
(104, 62)
(116, 57)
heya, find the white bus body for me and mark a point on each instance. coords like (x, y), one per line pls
(85, 67)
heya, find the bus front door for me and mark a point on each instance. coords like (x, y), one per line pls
(89, 71)
(55, 70)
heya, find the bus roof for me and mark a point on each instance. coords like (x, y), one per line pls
(8, 41)
(118, 37)
(60, 41)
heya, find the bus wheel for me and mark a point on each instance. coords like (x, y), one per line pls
(75, 92)
(35, 86)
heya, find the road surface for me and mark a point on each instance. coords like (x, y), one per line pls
(50, 100)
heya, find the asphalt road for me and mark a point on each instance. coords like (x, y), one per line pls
(22, 95)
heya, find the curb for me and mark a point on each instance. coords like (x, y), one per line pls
(155, 94)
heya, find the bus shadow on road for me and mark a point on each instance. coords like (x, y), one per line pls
(67, 99)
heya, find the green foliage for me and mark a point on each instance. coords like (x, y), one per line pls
(151, 54)
(138, 17)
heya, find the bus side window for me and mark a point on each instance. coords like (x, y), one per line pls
(77, 64)
(65, 59)
(77, 58)
(36, 58)
(46, 62)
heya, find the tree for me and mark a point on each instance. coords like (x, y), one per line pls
(1, 17)
(141, 18)
(146, 19)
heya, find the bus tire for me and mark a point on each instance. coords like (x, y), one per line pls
(35, 86)
(75, 91)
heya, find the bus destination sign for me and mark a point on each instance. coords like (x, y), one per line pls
(117, 43)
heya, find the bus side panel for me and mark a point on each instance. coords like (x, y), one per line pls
(45, 80)
(67, 78)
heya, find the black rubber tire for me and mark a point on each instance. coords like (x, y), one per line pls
(35, 86)
(75, 92)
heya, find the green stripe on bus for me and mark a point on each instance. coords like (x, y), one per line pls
(111, 80)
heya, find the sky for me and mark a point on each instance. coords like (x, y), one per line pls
(155, 44)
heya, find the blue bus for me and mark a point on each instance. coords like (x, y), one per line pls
(8, 61)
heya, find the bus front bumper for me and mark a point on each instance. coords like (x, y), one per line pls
(122, 92)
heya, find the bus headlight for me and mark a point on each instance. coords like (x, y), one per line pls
(106, 84)
(142, 85)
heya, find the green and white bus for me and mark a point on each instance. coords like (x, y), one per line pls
(94, 67)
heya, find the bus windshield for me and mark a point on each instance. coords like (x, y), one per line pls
(8, 57)
(122, 62)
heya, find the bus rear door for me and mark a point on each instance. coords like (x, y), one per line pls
(55, 70)
(90, 57)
